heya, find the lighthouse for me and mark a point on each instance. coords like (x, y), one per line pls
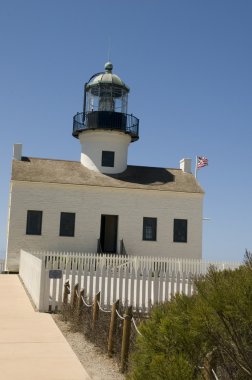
(99, 203)
(104, 128)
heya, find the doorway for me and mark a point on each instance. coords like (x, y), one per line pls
(108, 233)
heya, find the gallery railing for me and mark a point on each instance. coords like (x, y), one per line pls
(108, 120)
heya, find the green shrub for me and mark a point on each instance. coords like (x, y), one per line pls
(228, 295)
(189, 336)
(167, 348)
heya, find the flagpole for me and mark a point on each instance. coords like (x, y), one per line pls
(196, 167)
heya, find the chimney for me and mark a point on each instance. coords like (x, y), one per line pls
(186, 165)
(17, 152)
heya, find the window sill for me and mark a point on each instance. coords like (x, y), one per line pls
(155, 241)
(33, 234)
(66, 236)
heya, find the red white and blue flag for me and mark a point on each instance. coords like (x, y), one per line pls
(201, 162)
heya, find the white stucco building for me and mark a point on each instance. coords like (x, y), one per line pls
(101, 204)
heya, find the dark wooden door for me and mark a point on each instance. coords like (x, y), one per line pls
(108, 233)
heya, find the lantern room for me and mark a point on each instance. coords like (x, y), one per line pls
(105, 106)
(106, 92)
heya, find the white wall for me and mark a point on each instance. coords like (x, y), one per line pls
(94, 142)
(31, 272)
(89, 202)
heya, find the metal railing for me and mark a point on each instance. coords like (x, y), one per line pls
(122, 248)
(126, 123)
(99, 247)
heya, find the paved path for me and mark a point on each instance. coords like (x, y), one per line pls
(31, 345)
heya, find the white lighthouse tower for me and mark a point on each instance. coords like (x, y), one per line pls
(104, 128)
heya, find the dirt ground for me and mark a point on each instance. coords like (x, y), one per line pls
(98, 365)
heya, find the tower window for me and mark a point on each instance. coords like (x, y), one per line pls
(33, 222)
(108, 158)
(67, 223)
(180, 231)
(150, 229)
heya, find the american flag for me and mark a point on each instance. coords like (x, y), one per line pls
(201, 162)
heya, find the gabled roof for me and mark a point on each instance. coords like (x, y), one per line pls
(134, 177)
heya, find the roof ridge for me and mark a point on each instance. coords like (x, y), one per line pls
(48, 159)
(78, 162)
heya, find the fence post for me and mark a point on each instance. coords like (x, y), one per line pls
(75, 295)
(96, 309)
(66, 292)
(80, 305)
(43, 304)
(126, 338)
(209, 364)
(112, 327)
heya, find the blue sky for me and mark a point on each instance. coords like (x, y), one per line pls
(188, 64)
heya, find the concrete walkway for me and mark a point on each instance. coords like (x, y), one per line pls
(31, 345)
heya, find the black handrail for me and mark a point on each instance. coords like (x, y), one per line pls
(122, 248)
(99, 247)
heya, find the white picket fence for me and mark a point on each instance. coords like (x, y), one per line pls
(195, 266)
(132, 288)
(116, 277)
